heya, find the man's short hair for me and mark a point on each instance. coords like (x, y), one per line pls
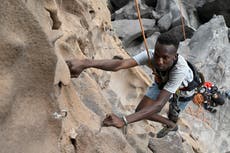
(175, 35)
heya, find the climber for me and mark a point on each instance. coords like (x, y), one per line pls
(173, 73)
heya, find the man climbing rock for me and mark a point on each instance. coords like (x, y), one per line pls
(173, 73)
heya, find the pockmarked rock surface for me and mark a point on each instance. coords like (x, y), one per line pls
(212, 45)
(36, 39)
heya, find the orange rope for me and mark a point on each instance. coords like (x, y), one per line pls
(143, 34)
(182, 19)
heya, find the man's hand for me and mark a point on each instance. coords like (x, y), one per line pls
(76, 66)
(113, 120)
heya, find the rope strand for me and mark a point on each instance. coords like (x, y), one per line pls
(182, 19)
(143, 34)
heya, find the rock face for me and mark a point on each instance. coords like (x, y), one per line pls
(169, 144)
(216, 7)
(211, 43)
(27, 74)
(127, 34)
(36, 39)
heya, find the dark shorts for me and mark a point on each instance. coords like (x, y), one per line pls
(153, 91)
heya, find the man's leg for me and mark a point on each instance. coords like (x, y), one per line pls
(175, 108)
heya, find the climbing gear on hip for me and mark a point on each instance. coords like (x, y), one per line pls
(212, 94)
(208, 96)
(198, 79)
(198, 99)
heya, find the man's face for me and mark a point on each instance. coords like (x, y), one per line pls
(164, 56)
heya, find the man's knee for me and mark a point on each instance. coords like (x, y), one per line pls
(173, 117)
(174, 112)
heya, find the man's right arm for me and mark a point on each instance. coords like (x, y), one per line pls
(76, 66)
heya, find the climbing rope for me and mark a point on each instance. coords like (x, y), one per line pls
(143, 35)
(182, 19)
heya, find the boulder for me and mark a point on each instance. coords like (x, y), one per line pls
(211, 43)
(165, 22)
(129, 30)
(117, 4)
(129, 11)
(171, 143)
(216, 7)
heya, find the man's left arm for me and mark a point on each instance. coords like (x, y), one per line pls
(158, 104)
(153, 109)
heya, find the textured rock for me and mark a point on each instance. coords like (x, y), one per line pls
(211, 43)
(129, 11)
(171, 143)
(164, 22)
(129, 30)
(216, 7)
(27, 65)
(36, 39)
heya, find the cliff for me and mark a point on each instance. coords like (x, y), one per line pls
(36, 37)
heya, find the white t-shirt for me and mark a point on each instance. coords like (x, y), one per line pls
(179, 76)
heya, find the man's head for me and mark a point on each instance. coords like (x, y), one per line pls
(166, 47)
